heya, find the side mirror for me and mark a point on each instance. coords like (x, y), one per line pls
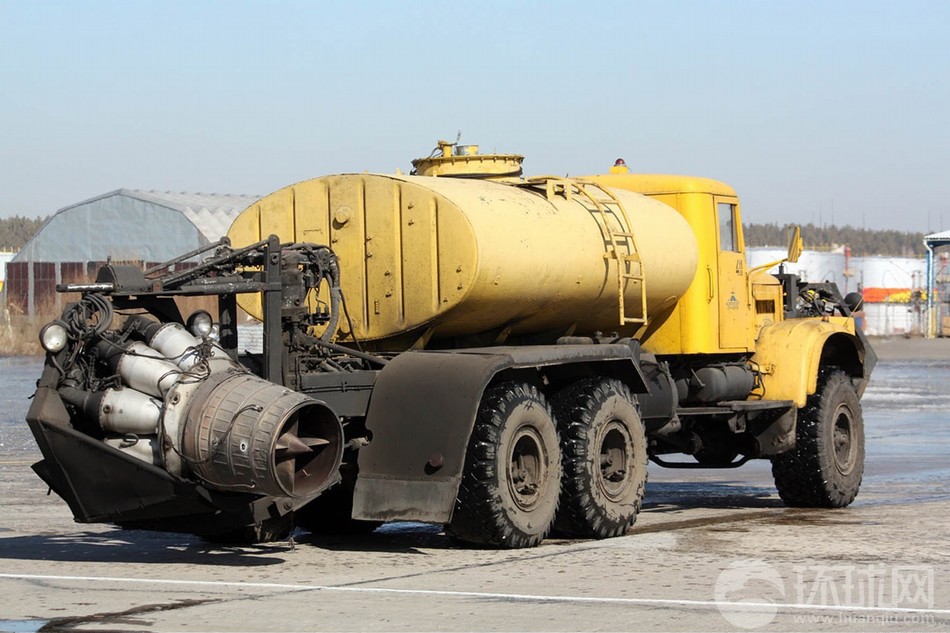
(795, 244)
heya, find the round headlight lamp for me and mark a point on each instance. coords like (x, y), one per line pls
(200, 323)
(53, 336)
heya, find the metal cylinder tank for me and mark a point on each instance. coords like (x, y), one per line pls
(812, 266)
(435, 257)
(892, 272)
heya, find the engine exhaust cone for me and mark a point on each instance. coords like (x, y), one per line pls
(246, 434)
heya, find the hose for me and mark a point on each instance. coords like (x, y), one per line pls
(332, 275)
(78, 316)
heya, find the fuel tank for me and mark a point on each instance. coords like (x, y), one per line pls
(425, 258)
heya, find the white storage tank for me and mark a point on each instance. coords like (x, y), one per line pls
(894, 319)
(892, 272)
(812, 266)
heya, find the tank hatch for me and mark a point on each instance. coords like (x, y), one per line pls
(464, 161)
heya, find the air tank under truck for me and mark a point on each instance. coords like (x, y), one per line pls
(462, 346)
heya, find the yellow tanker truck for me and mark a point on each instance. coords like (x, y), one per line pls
(461, 346)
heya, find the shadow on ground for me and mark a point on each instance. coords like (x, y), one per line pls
(134, 546)
(403, 537)
(669, 496)
(126, 546)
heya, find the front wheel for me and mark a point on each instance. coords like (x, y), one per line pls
(825, 468)
(605, 459)
(510, 486)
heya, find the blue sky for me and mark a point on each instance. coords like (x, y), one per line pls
(813, 111)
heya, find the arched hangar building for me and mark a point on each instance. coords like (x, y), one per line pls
(126, 225)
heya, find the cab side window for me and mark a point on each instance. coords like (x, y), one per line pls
(727, 227)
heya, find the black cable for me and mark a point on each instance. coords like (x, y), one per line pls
(218, 447)
(346, 313)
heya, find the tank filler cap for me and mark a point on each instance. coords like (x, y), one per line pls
(465, 161)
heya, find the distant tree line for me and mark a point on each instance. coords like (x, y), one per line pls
(862, 241)
(16, 231)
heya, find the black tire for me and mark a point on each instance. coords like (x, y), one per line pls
(604, 458)
(825, 468)
(510, 486)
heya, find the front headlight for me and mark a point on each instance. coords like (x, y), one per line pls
(200, 323)
(53, 336)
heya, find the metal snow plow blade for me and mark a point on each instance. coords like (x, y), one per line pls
(102, 484)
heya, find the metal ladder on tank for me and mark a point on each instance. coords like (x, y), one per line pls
(613, 242)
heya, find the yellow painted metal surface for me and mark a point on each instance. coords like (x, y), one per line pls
(716, 314)
(444, 257)
(660, 184)
(767, 297)
(788, 355)
(450, 159)
(732, 290)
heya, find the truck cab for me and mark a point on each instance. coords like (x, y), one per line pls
(716, 313)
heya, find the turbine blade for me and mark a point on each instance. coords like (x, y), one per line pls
(289, 445)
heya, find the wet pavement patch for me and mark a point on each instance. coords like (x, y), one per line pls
(21, 626)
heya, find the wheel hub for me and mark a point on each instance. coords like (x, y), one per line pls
(842, 436)
(615, 443)
(527, 468)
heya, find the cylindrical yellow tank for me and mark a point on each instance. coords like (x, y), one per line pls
(424, 258)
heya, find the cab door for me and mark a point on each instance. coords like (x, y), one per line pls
(734, 309)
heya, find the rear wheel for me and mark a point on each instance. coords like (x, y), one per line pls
(604, 459)
(826, 466)
(510, 486)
